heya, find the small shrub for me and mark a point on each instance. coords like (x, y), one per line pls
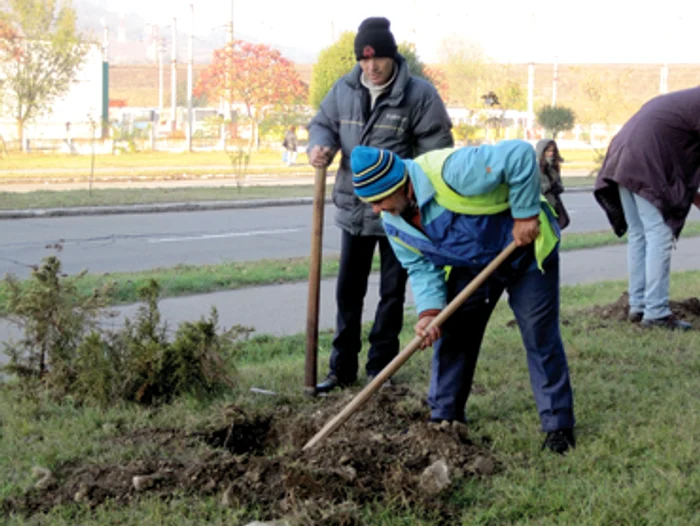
(55, 319)
(64, 351)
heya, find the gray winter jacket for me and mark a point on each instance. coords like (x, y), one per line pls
(409, 120)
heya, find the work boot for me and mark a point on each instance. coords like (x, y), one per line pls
(635, 317)
(668, 322)
(331, 382)
(560, 441)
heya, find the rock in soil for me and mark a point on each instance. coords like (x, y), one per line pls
(435, 478)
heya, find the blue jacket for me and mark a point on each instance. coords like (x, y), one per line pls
(463, 240)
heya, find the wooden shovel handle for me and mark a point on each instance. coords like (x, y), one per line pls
(312, 311)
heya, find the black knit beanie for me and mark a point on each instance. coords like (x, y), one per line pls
(374, 39)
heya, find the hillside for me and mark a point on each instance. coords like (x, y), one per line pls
(635, 83)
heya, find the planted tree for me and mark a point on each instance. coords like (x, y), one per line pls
(556, 119)
(40, 56)
(254, 75)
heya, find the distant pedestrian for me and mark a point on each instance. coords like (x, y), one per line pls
(290, 146)
(549, 161)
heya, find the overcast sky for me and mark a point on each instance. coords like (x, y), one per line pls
(508, 30)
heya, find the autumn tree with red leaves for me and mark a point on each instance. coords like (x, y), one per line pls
(254, 75)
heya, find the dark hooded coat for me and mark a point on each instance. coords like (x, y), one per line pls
(550, 180)
(656, 155)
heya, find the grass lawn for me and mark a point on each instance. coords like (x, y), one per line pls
(120, 196)
(182, 280)
(51, 161)
(14, 167)
(117, 196)
(636, 461)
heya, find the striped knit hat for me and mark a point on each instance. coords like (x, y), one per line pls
(377, 173)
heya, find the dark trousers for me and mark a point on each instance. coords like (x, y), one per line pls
(534, 298)
(356, 254)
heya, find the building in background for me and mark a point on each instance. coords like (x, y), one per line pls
(72, 116)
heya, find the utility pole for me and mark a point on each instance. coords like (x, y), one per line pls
(229, 69)
(173, 79)
(190, 63)
(104, 117)
(531, 79)
(161, 52)
(555, 78)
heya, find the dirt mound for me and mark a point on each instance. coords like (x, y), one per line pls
(688, 310)
(386, 452)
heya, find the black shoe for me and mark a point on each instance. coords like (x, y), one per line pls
(331, 382)
(560, 441)
(635, 317)
(668, 322)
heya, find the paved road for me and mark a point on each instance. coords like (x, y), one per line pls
(144, 241)
(281, 309)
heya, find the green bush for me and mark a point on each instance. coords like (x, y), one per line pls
(55, 319)
(64, 351)
(556, 119)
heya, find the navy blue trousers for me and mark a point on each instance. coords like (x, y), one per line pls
(534, 298)
(356, 254)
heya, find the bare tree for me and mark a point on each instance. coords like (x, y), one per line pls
(464, 64)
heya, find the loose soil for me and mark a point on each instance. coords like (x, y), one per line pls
(687, 310)
(256, 460)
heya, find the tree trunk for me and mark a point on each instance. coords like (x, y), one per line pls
(20, 135)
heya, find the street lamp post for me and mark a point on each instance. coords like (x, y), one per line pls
(173, 78)
(555, 78)
(190, 63)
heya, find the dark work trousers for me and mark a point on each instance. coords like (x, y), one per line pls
(356, 254)
(534, 298)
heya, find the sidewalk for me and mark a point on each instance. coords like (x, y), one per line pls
(280, 310)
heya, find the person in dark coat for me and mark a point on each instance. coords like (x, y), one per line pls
(379, 103)
(647, 183)
(549, 161)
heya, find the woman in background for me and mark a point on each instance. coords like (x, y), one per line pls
(549, 161)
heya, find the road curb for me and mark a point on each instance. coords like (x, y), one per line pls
(173, 207)
(153, 208)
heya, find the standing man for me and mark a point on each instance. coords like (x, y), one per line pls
(647, 184)
(380, 104)
(461, 208)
